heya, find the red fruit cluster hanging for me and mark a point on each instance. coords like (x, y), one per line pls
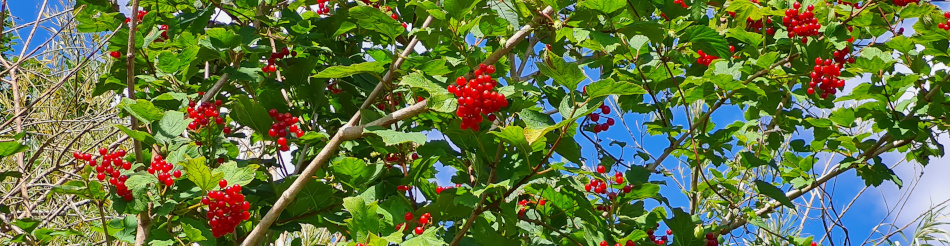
(660, 240)
(825, 77)
(164, 29)
(111, 166)
(322, 8)
(802, 24)
(423, 221)
(903, 3)
(404, 188)
(711, 240)
(477, 97)
(439, 189)
(164, 170)
(705, 59)
(274, 57)
(283, 124)
(681, 3)
(397, 158)
(206, 114)
(226, 209)
(599, 127)
(843, 56)
(942, 25)
(756, 26)
(139, 16)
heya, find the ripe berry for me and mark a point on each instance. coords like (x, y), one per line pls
(604, 243)
(408, 216)
(222, 183)
(601, 169)
(115, 54)
(669, 232)
(419, 230)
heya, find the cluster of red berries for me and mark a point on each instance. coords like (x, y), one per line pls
(396, 17)
(903, 3)
(397, 158)
(712, 241)
(283, 124)
(334, 88)
(404, 188)
(391, 99)
(205, 114)
(801, 24)
(439, 189)
(226, 209)
(475, 97)
(843, 56)
(629, 243)
(681, 3)
(165, 176)
(757, 25)
(942, 25)
(274, 57)
(111, 165)
(604, 109)
(141, 14)
(423, 221)
(164, 29)
(825, 77)
(322, 8)
(705, 59)
(600, 187)
(524, 205)
(660, 240)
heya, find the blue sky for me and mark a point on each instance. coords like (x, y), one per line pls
(869, 209)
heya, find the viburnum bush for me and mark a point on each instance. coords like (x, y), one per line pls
(550, 122)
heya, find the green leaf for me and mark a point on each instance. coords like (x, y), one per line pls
(142, 110)
(192, 233)
(346, 71)
(683, 225)
(170, 100)
(770, 190)
(610, 87)
(843, 117)
(10, 148)
(428, 238)
(363, 219)
(199, 173)
(603, 6)
(515, 136)
(751, 38)
(374, 19)
(706, 39)
(249, 113)
(458, 8)
(14, 174)
(222, 38)
(563, 73)
(505, 11)
(237, 175)
(391, 137)
(144, 137)
(170, 127)
(123, 229)
(745, 9)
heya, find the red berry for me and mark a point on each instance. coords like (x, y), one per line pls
(115, 54)
(222, 183)
(408, 216)
(603, 243)
(601, 169)
(419, 230)
(281, 141)
(669, 232)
